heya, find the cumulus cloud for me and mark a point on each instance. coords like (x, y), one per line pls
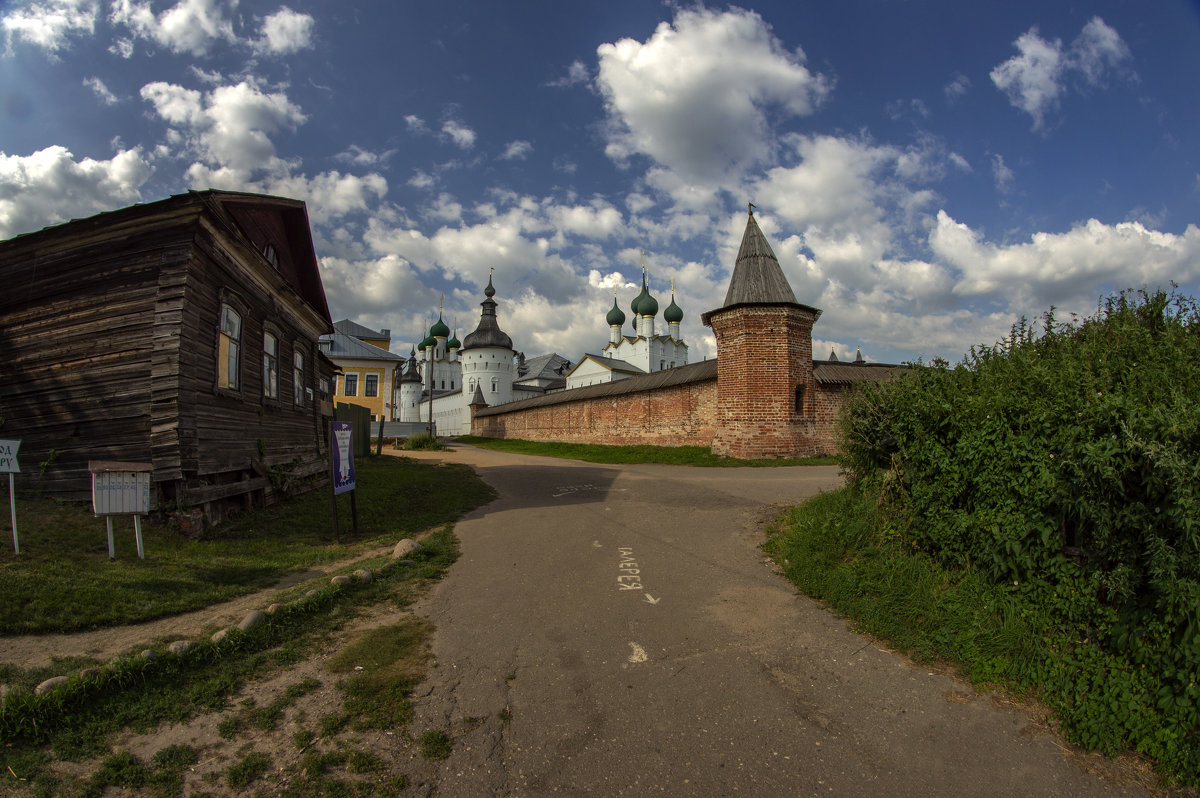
(517, 151)
(695, 96)
(229, 127)
(1072, 267)
(1036, 79)
(1002, 175)
(415, 124)
(51, 186)
(190, 26)
(50, 24)
(957, 87)
(284, 32)
(459, 133)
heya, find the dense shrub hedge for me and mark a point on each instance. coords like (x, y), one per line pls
(1065, 462)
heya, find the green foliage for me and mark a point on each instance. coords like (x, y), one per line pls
(435, 744)
(251, 768)
(63, 580)
(1064, 464)
(386, 663)
(422, 440)
(599, 453)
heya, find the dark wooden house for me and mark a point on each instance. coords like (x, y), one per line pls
(180, 333)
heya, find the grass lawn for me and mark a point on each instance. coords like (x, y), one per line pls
(628, 455)
(64, 581)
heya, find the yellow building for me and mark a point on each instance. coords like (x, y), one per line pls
(367, 368)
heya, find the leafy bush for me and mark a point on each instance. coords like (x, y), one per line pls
(1065, 462)
(422, 441)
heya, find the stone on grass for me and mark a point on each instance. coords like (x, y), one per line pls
(363, 575)
(89, 673)
(53, 683)
(252, 620)
(219, 636)
(274, 608)
(150, 655)
(179, 647)
(405, 548)
(8, 691)
(342, 579)
(312, 593)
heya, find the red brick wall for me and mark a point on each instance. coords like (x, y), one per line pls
(684, 415)
(763, 354)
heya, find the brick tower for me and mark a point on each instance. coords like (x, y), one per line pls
(765, 382)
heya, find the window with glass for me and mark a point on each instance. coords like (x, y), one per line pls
(299, 383)
(229, 349)
(350, 385)
(371, 385)
(270, 366)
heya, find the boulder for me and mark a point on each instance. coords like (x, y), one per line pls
(179, 647)
(405, 548)
(363, 575)
(252, 620)
(53, 683)
(219, 636)
(342, 579)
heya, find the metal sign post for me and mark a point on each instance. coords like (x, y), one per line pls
(9, 465)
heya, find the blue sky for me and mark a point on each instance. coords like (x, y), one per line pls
(927, 172)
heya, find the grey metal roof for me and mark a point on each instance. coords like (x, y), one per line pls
(543, 367)
(667, 378)
(357, 330)
(347, 346)
(832, 372)
(757, 276)
(488, 333)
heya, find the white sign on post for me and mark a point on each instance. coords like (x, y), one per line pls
(10, 466)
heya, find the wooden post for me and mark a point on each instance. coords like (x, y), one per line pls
(137, 533)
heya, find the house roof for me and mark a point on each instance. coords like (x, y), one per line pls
(833, 372)
(348, 347)
(757, 277)
(543, 367)
(667, 378)
(610, 363)
(276, 228)
(358, 331)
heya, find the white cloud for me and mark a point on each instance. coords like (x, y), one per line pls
(957, 87)
(517, 150)
(101, 90)
(286, 31)
(230, 127)
(50, 186)
(1076, 266)
(359, 156)
(1035, 80)
(695, 96)
(190, 26)
(415, 124)
(421, 179)
(577, 73)
(459, 133)
(49, 24)
(1001, 174)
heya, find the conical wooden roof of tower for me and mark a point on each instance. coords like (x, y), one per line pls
(757, 276)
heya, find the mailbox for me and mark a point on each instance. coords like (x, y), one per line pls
(121, 489)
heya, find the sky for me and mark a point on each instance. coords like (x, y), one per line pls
(927, 172)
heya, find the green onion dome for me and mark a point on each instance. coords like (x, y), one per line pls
(673, 314)
(646, 304)
(453, 343)
(615, 316)
(439, 329)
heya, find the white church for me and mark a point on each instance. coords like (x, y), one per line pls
(445, 377)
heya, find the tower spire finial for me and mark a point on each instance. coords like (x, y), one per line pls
(752, 207)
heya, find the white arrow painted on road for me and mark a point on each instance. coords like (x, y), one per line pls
(651, 599)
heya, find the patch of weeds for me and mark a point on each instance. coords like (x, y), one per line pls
(363, 762)
(119, 770)
(392, 661)
(505, 715)
(435, 744)
(303, 738)
(229, 728)
(169, 763)
(333, 723)
(246, 772)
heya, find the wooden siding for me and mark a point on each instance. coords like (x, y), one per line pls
(109, 351)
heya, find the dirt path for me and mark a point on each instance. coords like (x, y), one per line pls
(33, 651)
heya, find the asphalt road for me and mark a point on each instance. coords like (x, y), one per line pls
(616, 630)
